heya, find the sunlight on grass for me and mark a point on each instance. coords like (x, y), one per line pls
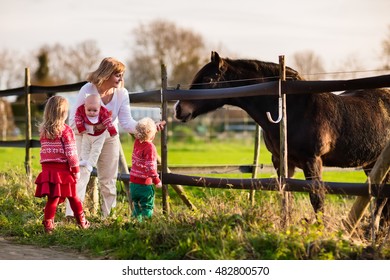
(224, 226)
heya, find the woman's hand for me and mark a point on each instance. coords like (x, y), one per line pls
(160, 125)
(98, 127)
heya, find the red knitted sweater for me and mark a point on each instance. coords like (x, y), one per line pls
(61, 150)
(144, 164)
(104, 118)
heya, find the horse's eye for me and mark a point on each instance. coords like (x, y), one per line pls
(208, 80)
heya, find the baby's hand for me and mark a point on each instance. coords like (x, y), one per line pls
(159, 185)
(76, 176)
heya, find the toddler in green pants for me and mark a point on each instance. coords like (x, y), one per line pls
(143, 173)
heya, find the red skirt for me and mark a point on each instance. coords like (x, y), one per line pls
(55, 180)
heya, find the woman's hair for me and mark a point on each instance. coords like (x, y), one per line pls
(107, 67)
(145, 129)
(54, 116)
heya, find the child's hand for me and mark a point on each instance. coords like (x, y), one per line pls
(159, 186)
(76, 176)
(160, 125)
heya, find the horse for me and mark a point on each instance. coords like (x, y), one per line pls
(346, 130)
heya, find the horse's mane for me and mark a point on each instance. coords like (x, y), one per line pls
(262, 68)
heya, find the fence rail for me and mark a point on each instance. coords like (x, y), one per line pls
(268, 88)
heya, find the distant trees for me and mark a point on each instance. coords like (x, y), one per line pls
(71, 64)
(50, 64)
(308, 64)
(386, 50)
(182, 50)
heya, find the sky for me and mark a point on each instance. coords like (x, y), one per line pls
(332, 29)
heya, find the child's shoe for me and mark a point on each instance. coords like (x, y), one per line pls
(82, 221)
(49, 225)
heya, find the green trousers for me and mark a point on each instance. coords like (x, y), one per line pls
(143, 200)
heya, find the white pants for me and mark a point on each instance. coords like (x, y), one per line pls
(107, 169)
(91, 147)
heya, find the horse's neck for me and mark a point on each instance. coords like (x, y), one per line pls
(257, 108)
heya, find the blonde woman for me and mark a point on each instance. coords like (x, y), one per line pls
(143, 173)
(107, 82)
(60, 164)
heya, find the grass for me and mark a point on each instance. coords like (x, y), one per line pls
(225, 226)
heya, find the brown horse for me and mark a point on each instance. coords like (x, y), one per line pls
(325, 129)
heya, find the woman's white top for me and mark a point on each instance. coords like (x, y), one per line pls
(119, 106)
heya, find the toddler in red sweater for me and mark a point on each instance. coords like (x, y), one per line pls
(143, 173)
(60, 164)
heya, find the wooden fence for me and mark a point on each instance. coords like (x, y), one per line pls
(163, 96)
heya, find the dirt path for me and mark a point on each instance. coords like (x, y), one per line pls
(13, 251)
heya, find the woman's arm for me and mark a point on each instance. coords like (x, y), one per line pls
(125, 118)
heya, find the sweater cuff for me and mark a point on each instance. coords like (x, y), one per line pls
(81, 128)
(156, 180)
(75, 169)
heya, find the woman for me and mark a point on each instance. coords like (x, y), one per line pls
(107, 82)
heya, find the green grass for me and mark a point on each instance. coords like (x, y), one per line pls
(224, 226)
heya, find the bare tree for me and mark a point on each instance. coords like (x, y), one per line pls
(351, 68)
(160, 41)
(72, 64)
(12, 67)
(386, 51)
(81, 58)
(308, 64)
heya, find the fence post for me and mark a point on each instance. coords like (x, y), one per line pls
(376, 176)
(255, 162)
(164, 150)
(283, 145)
(124, 169)
(27, 161)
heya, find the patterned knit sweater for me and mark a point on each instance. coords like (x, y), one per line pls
(61, 150)
(144, 164)
(104, 118)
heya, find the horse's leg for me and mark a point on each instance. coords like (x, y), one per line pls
(313, 171)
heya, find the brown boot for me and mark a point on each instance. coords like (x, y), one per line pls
(82, 221)
(49, 225)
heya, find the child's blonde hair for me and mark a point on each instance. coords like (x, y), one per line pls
(107, 67)
(92, 98)
(54, 116)
(145, 129)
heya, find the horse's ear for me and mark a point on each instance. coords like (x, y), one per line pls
(215, 57)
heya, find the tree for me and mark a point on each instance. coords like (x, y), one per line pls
(43, 71)
(72, 64)
(11, 69)
(308, 64)
(81, 59)
(386, 51)
(181, 50)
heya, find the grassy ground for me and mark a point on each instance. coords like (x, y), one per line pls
(224, 226)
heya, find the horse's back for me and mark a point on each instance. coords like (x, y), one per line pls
(364, 129)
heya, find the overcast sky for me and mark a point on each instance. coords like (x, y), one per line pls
(332, 29)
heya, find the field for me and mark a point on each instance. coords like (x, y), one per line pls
(224, 225)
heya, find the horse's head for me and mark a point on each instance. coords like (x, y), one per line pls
(214, 74)
(224, 73)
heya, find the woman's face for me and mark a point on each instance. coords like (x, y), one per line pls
(115, 80)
